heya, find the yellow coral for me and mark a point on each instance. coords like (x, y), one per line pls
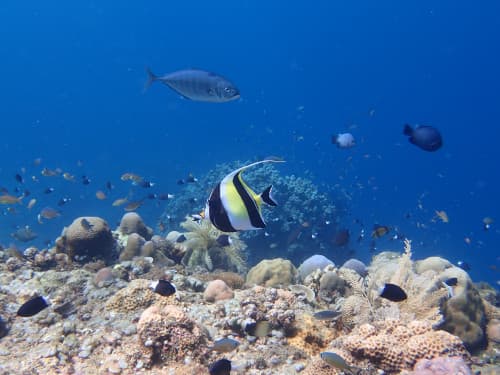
(310, 335)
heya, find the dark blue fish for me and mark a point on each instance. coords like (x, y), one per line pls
(198, 85)
(220, 367)
(392, 292)
(163, 288)
(4, 329)
(224, 240)
(426, 137)
(32, 307)
(452, 281)
(326, 314)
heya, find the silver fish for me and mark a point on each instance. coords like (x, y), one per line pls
(225, 345)
(198, 85)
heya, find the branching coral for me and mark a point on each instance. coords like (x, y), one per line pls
(203, 250)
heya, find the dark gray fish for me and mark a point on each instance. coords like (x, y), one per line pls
(24, 234)
(225, 345)
(452, 281)
(220, 367)
(181, 238)
(198, 85)
(258, 329)
(4, 329)
(33, 306)
(326, 315)
(392, 292)
(163, 287)
(224, 240)
(426, 137)
(86, 224)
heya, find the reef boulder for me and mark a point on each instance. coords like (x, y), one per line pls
(132, 223)
(87, 238)
(272, 273)
(313, 263)
(171, 335)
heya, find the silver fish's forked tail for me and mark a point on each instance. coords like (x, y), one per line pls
(151, 78)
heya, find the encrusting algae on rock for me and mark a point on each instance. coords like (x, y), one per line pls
(105, 317)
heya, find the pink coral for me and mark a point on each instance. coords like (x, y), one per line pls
(217, 290)
(441, 366)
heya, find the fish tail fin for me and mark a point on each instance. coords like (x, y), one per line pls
(267, 196)
(407, 130)
(151, 78)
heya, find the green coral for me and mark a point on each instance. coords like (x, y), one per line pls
(203, 250)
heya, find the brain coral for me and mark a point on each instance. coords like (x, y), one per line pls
(272, 273)
(393, 347)
(464, 313)
(88, 238)
(132, 223)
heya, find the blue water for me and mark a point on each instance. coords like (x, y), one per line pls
(71, 94)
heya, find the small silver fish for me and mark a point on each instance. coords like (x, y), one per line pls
(333, 359)
(326, 315)
(197, 85)
(225, 345)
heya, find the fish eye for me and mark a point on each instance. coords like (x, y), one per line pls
(227, 89)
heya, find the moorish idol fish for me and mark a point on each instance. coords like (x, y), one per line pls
(233, 206)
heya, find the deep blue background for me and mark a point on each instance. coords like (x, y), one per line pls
(71, 89)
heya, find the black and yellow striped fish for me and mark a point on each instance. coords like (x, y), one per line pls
(233, 206)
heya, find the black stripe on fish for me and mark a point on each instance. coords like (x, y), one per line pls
(250, 204)
(217, 212)
(267, 196)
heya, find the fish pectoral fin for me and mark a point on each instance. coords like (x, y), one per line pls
(267, 197)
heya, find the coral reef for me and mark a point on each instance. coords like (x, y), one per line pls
(131, 222)
(133, 246)
(313, 263)
(170, 335)
(105, 318)
(394, 347)
(464, 313)
(425, 292)
(272, 273)
(356, 265)
(440, 366)
(302, 210)
(87, 238)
